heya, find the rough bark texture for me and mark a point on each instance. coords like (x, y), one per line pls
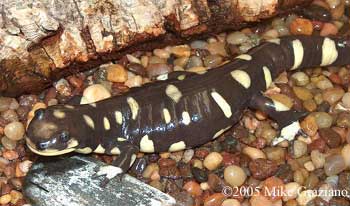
(43, 40)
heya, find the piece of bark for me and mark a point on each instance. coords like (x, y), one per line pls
(44, 40)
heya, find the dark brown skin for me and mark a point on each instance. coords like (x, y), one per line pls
(31, 69)
(187, 110)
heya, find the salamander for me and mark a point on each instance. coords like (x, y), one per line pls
(185, 110)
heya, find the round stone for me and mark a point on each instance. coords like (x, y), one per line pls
(14, 131)
(212, 160)
(94, 93)
(234, 175)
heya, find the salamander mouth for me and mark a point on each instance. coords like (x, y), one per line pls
(72, 144)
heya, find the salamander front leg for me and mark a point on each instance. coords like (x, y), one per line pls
(287, 118)
(120, 165)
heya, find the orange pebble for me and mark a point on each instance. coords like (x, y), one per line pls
(215, 199)
(273, 188)
(193, 188)
(301, 26)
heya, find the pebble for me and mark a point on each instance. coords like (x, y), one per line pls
(318, 159)
(154, 70)
(5, 103)
(323, 119)
(310, 105)
(328, 29)
(324, 84)
(215, 183)
(309, 125)
(346, 99)
(181, 51)
(212, 61)
(135, 81)
(14, 131)
(182, 62)
(161, 53)
(215, 199)
(343, 120)
(276, 154)
(262, 168)
(333, 3)
(333, 95)
(199, 44)
(217, 48)
(137, 69)
(317, 12)
(94, 93)
(199, 174)
(331, 137)
(234, 175)
(345, 153)
(282, 98)
(334, 165)
(231, 202)
(273, 188)
(301, 26)
(309, 166)
(5, 199)
(116, 73)
(15, 196)
(305, 197)
(299, 148)
(270, 34)
(302, 93)
(187, 156)
(260, 200)
(291, 190)
(63, 87)
(300, 78)
(193, 61)
(150, 169)
(193, 188)
(237, 38)
(8, 143)
(212, 161)
(343, 182)
(10, 115)
(10, 155)
(253, 153)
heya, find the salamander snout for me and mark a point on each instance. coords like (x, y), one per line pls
(49, 132)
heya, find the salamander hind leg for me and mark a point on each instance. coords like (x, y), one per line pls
(286, 117)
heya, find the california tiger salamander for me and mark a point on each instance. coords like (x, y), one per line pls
(186, 110)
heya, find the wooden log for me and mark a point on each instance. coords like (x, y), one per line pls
(44, 40)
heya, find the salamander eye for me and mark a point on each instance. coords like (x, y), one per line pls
(64, 136)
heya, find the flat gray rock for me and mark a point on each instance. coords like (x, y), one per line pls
(69, 182)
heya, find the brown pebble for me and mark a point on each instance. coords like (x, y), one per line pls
(262, 168)
(154, 70)
(317, 144)
(215, 183)
(333, 95)
(229, 159)
(215, 199)
(166, 162)
(331, 137)
(10, 155)
(137, 69)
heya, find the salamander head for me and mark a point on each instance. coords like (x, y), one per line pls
(51, 131)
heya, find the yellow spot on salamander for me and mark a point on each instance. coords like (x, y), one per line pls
(134, 107)
(146, 145)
